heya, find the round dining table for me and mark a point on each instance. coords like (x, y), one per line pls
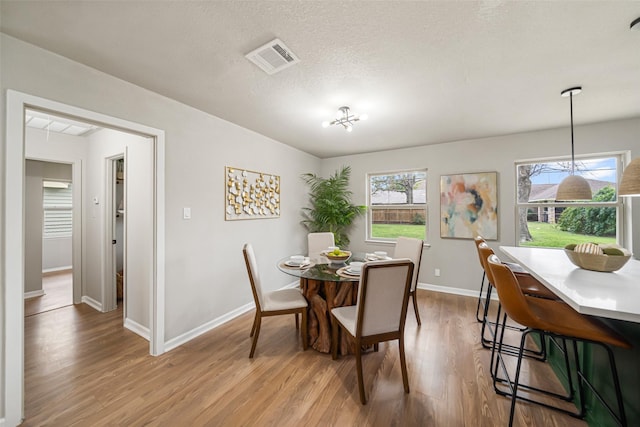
(325, 285)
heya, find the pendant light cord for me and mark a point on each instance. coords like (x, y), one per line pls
(573, 163)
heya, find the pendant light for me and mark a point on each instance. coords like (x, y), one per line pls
(573, 187)
(630, 183)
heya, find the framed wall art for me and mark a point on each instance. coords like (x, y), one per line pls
(251, 195)
(469, 205)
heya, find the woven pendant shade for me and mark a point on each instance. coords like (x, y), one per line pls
(630, 184)
(573, 187)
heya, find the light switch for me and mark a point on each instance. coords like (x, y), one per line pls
(186, 213)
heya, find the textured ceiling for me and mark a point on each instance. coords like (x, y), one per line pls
(424, 72)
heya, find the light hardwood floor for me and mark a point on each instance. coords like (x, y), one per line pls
(58, 292)
(84, 369)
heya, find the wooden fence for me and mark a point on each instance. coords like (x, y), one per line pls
(397, 216)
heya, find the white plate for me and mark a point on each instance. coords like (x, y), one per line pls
(375, 258)
(293, 263)
(351, 272)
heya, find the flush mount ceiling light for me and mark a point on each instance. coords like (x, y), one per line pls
(635, 25)
(573, 187)
(345, 118)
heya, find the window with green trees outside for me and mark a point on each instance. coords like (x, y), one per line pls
(543, 222)
(397, 204)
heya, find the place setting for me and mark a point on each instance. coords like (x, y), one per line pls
(377, 256)
(351, 271)
(298, 262)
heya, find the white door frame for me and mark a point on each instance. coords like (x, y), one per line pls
(13, 253)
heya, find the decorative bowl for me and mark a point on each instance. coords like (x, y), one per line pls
(338, 258)
(605, 263)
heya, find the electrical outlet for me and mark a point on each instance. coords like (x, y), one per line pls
(437, 272)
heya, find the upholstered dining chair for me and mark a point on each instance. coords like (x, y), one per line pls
(557, 320)
(409, 247)
(379, 314)
(274, 303)
(318, 242)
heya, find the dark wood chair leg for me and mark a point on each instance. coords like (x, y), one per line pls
(334, 338)
(304, 332)
(255, 336)
(297, 321)
(363, 398)
(253, 328)
(403, 365)
(415, 307)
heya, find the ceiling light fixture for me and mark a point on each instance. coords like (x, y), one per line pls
(345, 118)
(635, 25)
(573, 187)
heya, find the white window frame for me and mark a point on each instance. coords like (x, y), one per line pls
(371, 208)
(621, 208)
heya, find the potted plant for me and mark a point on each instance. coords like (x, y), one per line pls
(331, 208)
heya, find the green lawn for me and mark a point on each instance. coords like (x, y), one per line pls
(547, 235)
(544, 235)
(391, 231)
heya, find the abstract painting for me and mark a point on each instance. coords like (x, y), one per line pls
(469, 205)
(251, 195)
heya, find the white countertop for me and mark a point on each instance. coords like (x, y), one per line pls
(613, 295)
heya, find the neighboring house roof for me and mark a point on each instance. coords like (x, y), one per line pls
(547, 192)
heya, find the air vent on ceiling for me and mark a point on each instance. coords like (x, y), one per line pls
(273, 57)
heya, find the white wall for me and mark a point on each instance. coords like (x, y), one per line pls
(33, 219)
(457, 259)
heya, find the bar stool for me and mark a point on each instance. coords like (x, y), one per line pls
(531, 284)
(527, 283)
(558, 320)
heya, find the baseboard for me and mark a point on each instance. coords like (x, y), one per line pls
(188, 336)
(34, 294)
(57, 270)
(137, 328)
(92, 303)
(454, 291)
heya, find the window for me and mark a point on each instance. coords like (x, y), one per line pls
(397, 205)
(544, 222)
(57, 204)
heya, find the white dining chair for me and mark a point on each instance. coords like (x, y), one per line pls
(274, 303)
(318, 242)
(408, 247)
(379, 314)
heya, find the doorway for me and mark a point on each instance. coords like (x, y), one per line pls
(116, 258)
(48, 236)
(14, 260)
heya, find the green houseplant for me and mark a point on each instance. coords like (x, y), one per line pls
(331, 208)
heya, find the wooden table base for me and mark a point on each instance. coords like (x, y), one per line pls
(322, 297)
